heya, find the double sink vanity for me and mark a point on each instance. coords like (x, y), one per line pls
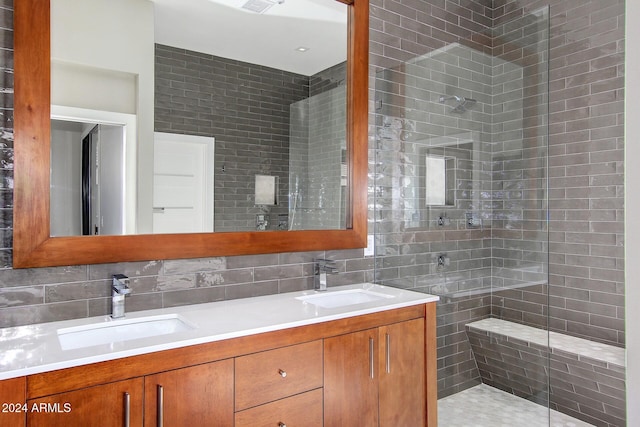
(353, 355)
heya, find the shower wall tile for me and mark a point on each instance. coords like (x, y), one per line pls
(586, 147)
(585, 151)
(408, 237)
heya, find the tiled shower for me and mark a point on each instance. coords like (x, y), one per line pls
(491, 232)
(515, 129)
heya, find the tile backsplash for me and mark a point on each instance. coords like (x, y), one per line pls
(48, 294)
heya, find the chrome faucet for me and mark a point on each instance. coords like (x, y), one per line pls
(119, 289)
(321, 269)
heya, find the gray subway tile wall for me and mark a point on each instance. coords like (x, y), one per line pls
(246, 108)
(586, 145)
(412, 123)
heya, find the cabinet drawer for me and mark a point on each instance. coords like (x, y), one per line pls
(301, 410)
(275, 374)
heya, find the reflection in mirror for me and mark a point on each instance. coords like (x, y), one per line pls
(275, 105)
(93, 186)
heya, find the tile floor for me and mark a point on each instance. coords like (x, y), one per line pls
(486, 406)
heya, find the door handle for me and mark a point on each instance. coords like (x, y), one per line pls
(387, 353)
(127, 409)
(160, 390)
(371, 358)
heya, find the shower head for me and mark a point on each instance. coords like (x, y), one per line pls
(462, 103)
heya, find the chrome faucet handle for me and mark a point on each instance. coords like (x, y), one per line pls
(119, 290)
(322, 267)
(120, 285)
(327, 265)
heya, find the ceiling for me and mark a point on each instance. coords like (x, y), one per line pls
(223, 28)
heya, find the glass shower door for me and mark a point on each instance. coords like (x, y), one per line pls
(460, 200)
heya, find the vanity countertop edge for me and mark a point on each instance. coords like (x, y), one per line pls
(33, 349)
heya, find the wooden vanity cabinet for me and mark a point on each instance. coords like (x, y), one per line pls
(376, 377)
(369, 370)
(13, 394)
(199, 395)
(109, 405)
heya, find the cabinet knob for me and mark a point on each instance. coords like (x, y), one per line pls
(283, 374)
(281, 424)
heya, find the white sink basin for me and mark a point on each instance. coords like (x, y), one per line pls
(343, 298)
(121, 330)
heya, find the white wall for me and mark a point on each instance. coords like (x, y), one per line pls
(102, 47)
(632, 209)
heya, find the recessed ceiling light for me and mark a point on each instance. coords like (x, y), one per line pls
(302, 49)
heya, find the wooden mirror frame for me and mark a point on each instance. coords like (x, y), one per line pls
(33, 245)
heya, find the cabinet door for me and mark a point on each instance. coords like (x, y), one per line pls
(351, 379)
(196, 396)
(12, 398)
(110, 405)
(402, 374)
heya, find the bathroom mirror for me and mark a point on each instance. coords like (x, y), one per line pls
(33, 244)
(197, 75)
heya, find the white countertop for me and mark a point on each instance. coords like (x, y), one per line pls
(32, 349)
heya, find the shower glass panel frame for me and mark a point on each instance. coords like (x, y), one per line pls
(485, 251)
(317, 161)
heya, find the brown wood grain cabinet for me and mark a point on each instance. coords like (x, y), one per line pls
(401, 376)
(115, 404)
(281, 387)
(302, 410)
(199, 395)
(376, 377)
(350, 380)
(376, 369)
(275, 374)
(13, 395)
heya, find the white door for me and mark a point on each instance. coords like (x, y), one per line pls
(182, 183)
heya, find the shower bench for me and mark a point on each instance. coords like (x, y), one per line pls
(586, 379)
